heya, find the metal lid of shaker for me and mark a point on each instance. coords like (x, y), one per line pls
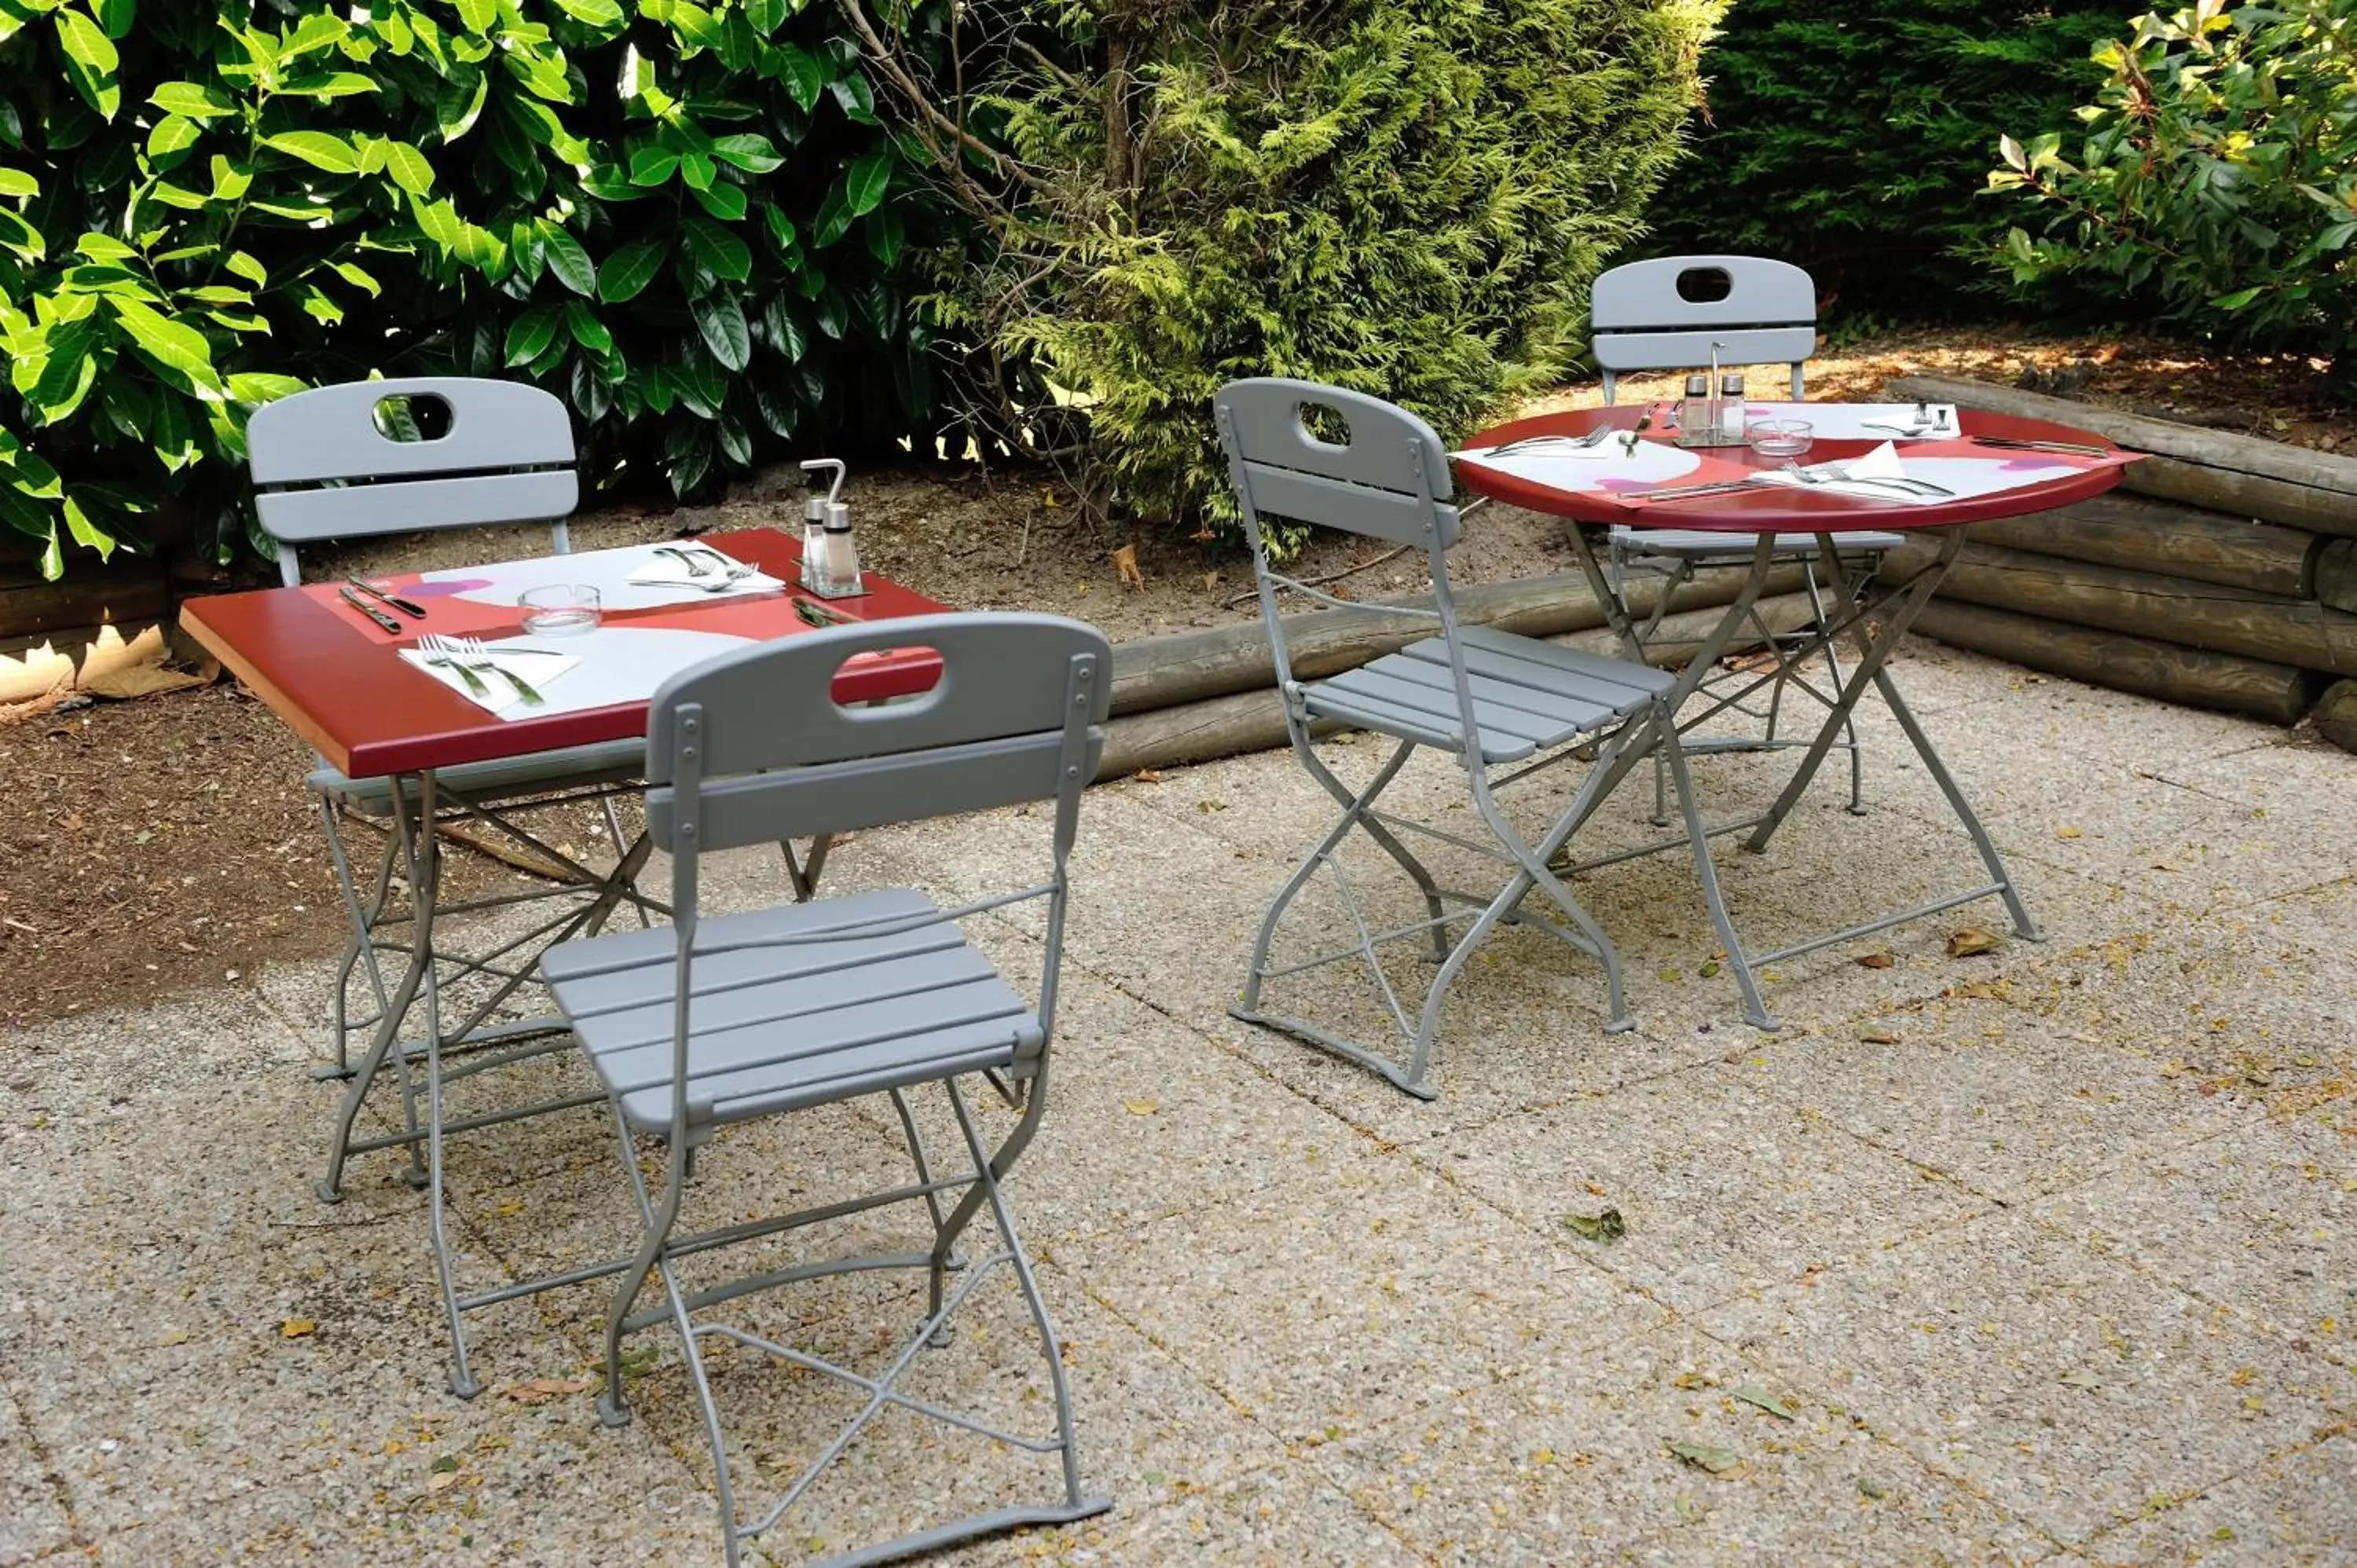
(1731, 386)
(1698, 386)
(837, 516)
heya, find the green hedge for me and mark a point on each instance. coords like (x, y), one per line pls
(1404, 196)
(2214, 178)
(686, 219)
(1853, 136)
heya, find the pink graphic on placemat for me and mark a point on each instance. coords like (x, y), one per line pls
(1621, 487)
(2027, 464)
(443, 588)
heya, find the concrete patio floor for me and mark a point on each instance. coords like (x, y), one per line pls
(2046, 1255)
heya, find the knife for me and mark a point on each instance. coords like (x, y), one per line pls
(1717, 487)
(370, 610)
(2013, 444)
(406, 607)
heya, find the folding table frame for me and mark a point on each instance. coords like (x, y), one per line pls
(1876, 621)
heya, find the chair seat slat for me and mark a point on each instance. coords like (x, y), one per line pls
(1548, 702)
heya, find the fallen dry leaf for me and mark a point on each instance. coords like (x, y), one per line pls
(1759, 1397)
(1876, 960)
(1875, 1035)
(2067, 833)
(298, 1328)
(1971, 939)
(1703, 1457)
(1125, 565)
(1606, 1227)
(1148, 776)
(540, 1390)
(1141, 1107)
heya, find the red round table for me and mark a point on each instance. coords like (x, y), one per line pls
(1756, 516)
(1783, 508)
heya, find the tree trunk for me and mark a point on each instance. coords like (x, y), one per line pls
(2336, 715)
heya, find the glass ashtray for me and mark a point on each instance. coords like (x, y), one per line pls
(1779, 437)
(561, 609)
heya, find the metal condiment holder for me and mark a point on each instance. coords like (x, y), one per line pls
(1707, 425)
(823, 516)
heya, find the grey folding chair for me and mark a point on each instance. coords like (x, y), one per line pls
(717, 1021)
(365, 458)
(1485, 697)
(422, 454)
(1680, 313)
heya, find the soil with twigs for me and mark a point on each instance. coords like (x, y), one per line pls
(169, 842)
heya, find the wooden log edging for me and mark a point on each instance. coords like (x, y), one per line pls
(2146, 534)
(1208, 728)
(1189, 666)
(2224, 682)
(2296, 632)
(2242, 475)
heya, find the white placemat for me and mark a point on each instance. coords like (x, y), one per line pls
(536, 664)
(1865, 421)
(607, 571)
(1847, 421)
(1961, 478)
(1611, 467)
(612, 664)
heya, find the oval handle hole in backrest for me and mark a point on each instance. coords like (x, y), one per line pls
(1324, 423)
(413, 416)
(1705, 286)
(885, 709)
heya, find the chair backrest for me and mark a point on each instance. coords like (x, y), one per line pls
(751, 747)
(1387, 480)
(1666, 314)
(346, 461)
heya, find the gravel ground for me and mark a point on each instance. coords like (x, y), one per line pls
(2043, 1254)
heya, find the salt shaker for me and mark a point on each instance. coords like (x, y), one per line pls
(1730, 408)
(815, 522)
(1693, 406)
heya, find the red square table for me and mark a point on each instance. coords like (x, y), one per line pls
(337, 679)
(332, 675)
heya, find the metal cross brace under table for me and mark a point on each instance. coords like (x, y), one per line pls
(446, 1052)
(1876, 619)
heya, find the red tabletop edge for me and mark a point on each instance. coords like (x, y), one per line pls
(324, 669)
(1781, 509)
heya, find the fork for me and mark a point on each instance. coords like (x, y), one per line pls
(468, 655)
(694, 564)
(1908, 486)
(1588, 443)
(731, 574)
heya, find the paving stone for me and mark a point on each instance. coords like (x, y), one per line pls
(2011, 1104)
(1308, 1318)
(1576, 1463)
(2067, 1389)
(2262, 1219)
(1723, 1189)
(2296, 1509)
(33, 1519)
(1338, 1297)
